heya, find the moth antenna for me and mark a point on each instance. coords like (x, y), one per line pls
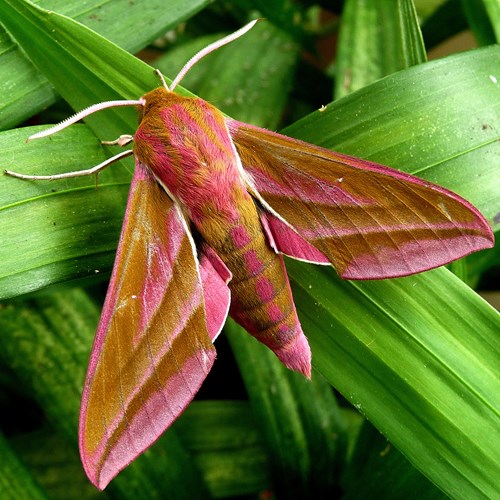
(82, 114)
(210, 48)
(160, 76)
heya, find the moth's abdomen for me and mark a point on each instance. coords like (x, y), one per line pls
(261, 298)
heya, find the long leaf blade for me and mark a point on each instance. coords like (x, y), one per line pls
(376, 38)
(427, 377)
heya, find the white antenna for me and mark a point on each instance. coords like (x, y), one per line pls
(210, 48)
(82, 114)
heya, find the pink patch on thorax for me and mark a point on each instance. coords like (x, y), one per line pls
(160, 163)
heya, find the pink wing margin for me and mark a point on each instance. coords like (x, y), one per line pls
(153, 347)
(369, 221)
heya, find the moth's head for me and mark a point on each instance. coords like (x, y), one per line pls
(156, 100)
(153, 99)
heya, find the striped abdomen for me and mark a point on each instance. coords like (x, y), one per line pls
(261, 299)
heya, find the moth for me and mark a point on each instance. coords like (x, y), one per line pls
(214, 204)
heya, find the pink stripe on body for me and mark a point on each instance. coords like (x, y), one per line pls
(261, 297)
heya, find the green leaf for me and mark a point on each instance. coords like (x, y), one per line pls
(483, 17)
(293, 414)
(493, 10)
(114, 74)
(463, 151)
(447, 20)
(172, 61)
(227, 447)
(15, 480)
(411, 121)
(288, 15)
(378, 470)
(260, 82)
(427, 377)
(63, 221)
(130, 25)
(55, 465)
(49, 38)
(376, 38)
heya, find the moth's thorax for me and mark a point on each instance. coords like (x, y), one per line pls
(185, 142)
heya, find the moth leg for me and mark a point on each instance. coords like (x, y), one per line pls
(123, 140)
(79, 173)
